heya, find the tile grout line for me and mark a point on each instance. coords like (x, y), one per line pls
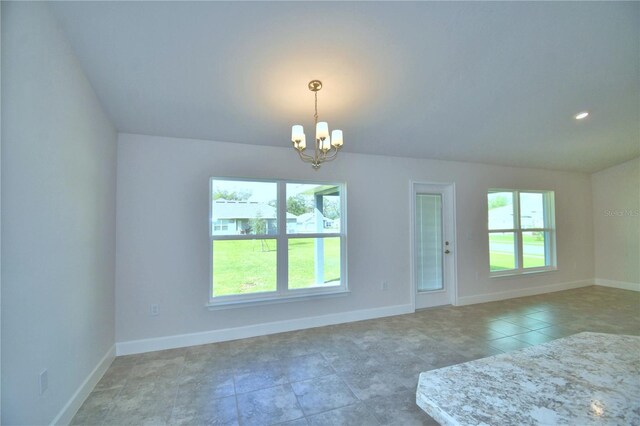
(178, 385)
(235, 395)
(110, 410)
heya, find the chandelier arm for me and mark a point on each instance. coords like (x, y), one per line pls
(331, 157)
(305, 157)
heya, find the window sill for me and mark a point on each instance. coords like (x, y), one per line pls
(511, 274)
(231, 304)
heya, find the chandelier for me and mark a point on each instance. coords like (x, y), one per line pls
(325, 147)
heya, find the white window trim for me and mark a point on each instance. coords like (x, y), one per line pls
(282, 293)
(550, 230)
(215, 306)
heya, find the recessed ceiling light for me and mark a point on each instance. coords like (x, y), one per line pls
(582, 115)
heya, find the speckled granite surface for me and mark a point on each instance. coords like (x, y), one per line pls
(584, 379)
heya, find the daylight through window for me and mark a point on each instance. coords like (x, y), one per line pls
(521, 231)
(275, 239)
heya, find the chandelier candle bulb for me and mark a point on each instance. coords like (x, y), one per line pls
(296, 133)
(322, 130)
(326, 144)
(336, 138)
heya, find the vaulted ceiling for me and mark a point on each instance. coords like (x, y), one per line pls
(488, 82)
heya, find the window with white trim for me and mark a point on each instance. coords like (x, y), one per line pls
(522, 235)
(275, 239)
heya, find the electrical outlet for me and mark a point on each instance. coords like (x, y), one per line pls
(384, 286)
(154, 310)
(44, 381)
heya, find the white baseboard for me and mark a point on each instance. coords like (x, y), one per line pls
(203, 338)
(70, 409)
(522, 292)
(624, 285)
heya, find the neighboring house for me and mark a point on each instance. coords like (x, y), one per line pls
(308, 222)
(239, 217)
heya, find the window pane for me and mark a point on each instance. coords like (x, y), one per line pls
(243, 208)
(429, 242)
(314, 262)
(313, 209)
(244, 266)
(534, 249)
(500, 206)
(502, 252)
(531, 210)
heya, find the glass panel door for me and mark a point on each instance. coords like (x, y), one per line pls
(429, 248)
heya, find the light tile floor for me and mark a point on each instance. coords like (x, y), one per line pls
(362, 373)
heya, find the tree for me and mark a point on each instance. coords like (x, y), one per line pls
(299, 205)
(331, 207)
(259, 227)
(258, 224)
(498, 201)
(231, 195)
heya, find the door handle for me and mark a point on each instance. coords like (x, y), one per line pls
(447, 251)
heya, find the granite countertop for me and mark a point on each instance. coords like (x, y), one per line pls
(584, 379)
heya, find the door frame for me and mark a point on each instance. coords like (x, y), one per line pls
(448, 216)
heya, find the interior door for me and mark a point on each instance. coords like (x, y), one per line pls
(433, 238)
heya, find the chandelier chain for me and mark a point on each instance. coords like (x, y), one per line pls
(315, 116)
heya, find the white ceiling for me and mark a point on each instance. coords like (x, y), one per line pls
(488, 82)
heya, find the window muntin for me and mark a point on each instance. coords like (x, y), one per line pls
(252, 260)
(521, 230)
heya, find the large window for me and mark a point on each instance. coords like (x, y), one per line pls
(274, 239)
(521, 231)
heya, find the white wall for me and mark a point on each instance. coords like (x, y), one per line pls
(616, 223)
(0, 223)
(58, 219)
(162, 243)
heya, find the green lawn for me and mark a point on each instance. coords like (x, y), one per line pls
(502, 260)
(249, 266)
(301, 262)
